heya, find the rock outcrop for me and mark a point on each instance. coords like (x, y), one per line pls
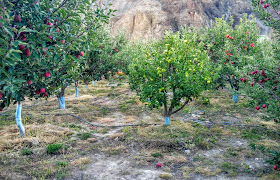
(145, 19)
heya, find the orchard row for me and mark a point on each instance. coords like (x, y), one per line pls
(48, 45)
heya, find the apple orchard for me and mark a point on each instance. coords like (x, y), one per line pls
(47, 46)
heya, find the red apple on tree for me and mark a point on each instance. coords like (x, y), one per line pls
(42, 90)
(29, 82)
(50, 24)
(47, 74)
(21, 47)
(17, 18)
(27, 52)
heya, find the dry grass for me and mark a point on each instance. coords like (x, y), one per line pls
(268, 143)
(207, 172)
(174, 159)
(114, 150)
(116, 135)
(162, 131)
(80, 161)
(130, 119)
(186, 171)
(149, 145)
(106, 120)
(165, 176)
(35, 134)
(271, 125)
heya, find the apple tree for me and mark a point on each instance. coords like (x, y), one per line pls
(101, 62)
(38, 41)
(171, 73)
(230, 49)
(263, 75)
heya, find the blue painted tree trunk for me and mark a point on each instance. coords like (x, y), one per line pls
(93, 83)
(61, 102)
(149, 100)
(76, 91)
(18, 120)
(235, 97)
(36, 102)
(86, 86)
(166, 120)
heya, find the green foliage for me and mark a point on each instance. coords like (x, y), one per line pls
(84, 136)
(101, 62)
(230, 168)
(26, 151)
(74, 126)
(273, 155)
(170, 71)
(129, 52)
(157, 154)
(61, 164)
(54, 148)
(251, 134)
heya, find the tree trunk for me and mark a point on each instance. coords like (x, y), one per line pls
(60, 98)
(235, 97)
(166, 115)
(76, 88)
(18, 120)
(93, 83)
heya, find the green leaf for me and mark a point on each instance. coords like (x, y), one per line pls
(5, 42)
(9, 32)
(16, 55)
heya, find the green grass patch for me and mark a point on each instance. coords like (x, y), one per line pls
(84, 136)
(251, 134)
(61, 164)
(74, 126)
(54, 148)
(156, 154)
(26, 151)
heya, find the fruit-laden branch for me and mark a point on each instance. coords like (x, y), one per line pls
(272, 93)
(186, 102)
(267, 70)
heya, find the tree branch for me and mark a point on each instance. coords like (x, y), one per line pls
(273, 94)
(186, 102)
(62, 4)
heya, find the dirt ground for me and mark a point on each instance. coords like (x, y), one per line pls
(210, 144)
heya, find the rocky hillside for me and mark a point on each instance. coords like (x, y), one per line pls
(150, 18)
